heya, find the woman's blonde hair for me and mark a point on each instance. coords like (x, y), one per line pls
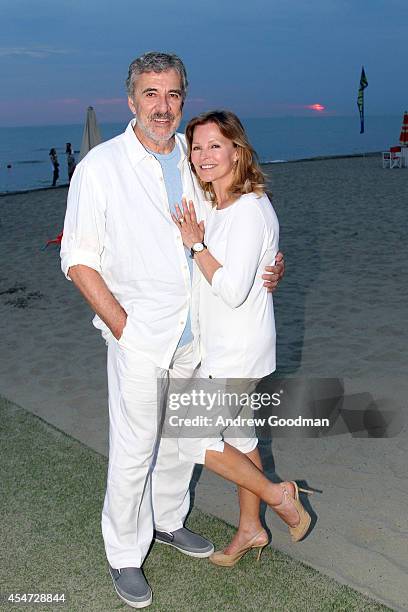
(248, 176)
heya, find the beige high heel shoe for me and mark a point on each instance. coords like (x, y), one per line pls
(220, 558)
(299, 531)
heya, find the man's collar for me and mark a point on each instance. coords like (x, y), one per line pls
(136, 150)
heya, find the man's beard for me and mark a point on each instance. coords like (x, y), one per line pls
(147, 131)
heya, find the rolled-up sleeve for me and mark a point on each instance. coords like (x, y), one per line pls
(233, 281)
(84, 226)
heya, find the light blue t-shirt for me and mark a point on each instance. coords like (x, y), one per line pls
(174, 188)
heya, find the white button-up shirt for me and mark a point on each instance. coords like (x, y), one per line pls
(118, 223)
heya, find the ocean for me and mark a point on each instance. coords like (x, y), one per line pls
(25, 149)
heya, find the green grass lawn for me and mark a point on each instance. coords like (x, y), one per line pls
(52, 490)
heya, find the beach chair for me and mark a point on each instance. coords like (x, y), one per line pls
(396, 157)
(392, 158)
(386, 159)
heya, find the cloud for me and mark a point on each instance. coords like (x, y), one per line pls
(67, 101)
(110, 101)
(195, 100)
(34, 52)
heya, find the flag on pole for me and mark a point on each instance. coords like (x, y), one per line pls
(360, 98)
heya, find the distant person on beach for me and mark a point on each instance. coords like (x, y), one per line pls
(55, 166)
(71, 164)
(130, 264)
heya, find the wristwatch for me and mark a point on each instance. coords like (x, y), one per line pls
(197, 247)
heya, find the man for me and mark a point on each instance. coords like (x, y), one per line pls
(124, 253)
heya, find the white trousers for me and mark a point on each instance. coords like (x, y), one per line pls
(147, 483)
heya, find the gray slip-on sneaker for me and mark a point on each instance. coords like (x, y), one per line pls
(131, 586)
(186, 542)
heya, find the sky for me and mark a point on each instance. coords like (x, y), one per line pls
(259, 58)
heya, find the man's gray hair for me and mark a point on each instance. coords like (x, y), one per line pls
(154, 61)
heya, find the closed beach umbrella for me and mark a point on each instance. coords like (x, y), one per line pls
(91, 136)
(404, 130)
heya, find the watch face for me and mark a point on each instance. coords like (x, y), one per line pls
(197, 247)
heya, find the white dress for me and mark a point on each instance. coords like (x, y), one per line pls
(236, 317)
(237, 326)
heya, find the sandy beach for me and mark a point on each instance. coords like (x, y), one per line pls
(341, 314)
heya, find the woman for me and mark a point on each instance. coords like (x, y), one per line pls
(55, 166)
(236, 314)
(71, 165)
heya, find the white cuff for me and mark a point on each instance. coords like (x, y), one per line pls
(76, 257)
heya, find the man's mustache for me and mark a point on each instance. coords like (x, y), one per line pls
(167, 116)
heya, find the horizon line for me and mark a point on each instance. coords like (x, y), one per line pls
(277, 117)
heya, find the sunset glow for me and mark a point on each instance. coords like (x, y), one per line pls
(316, 107)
